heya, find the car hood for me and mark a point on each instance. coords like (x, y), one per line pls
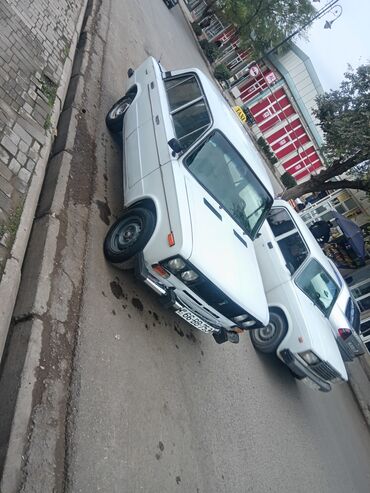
(322, 340)
(223, 253)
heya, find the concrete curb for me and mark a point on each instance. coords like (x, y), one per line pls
(359, 382)
(10, 281)
(361, 402)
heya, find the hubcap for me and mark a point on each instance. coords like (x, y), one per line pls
(126, 234)
(266, 334)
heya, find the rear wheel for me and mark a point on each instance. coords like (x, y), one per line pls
(129, 235)
(267, 339)
(114, 118)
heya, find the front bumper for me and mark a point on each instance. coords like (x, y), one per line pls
(303, 371)
(168, 297)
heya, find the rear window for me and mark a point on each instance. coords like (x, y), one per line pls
(316, 283)
(188, 108)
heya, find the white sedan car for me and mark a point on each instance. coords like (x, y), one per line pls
(301, 293)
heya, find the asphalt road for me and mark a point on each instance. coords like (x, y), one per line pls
(159, 407)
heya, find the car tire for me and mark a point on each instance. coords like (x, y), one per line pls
(128, 236)
(267, 339)
(114, 118)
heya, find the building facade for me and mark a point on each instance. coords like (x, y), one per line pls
(277, 93)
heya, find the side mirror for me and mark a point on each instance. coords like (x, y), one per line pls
(175, 146)
(290, 268)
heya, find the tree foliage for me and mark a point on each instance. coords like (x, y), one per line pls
(288, 180)
(263, 24)
(344, 116)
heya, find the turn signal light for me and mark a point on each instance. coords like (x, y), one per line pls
(160, 270)
(171, 239)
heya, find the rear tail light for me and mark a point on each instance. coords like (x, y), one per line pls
(344, 333)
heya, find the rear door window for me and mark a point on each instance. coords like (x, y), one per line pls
(288, 237)
(188, 108)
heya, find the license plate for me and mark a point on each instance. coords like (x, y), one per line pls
(194, 320)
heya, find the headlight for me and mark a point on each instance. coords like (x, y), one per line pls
(309, 357)
(176, 264)
(189, 276)
(248, 323)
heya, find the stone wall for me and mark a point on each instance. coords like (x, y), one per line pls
(35, 36)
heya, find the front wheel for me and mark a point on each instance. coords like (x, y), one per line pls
(114, 118)
(267, 339)
(129, 235)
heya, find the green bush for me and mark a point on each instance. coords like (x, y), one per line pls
(265, 148)
(222, 72)
(288, 180)
(197, 29)
(210, 50)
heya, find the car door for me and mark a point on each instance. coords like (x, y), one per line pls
(280, 248)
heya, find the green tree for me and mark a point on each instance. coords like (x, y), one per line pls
(222, 72)
(263, 24)
(344, 116)
(288, 180)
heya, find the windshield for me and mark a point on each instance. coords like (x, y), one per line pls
(222, 171)
(316, 283)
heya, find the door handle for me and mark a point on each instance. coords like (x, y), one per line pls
(270, 245)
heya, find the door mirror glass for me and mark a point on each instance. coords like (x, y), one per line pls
(175, 145)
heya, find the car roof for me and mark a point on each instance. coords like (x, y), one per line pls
(226, 120)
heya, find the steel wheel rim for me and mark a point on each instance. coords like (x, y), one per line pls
(126, 234)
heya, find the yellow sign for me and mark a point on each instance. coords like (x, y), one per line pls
(240, 113)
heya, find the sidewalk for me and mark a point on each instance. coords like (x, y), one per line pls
(37, 47)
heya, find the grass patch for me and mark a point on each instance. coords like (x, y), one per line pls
(47, 122)
(2, 230)
(10, 228)
(49, 89)
(65, 52)
(14, 221)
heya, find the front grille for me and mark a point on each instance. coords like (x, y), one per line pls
(325, 371)
(214, 297)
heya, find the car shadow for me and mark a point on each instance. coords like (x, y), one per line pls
(278, 371)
